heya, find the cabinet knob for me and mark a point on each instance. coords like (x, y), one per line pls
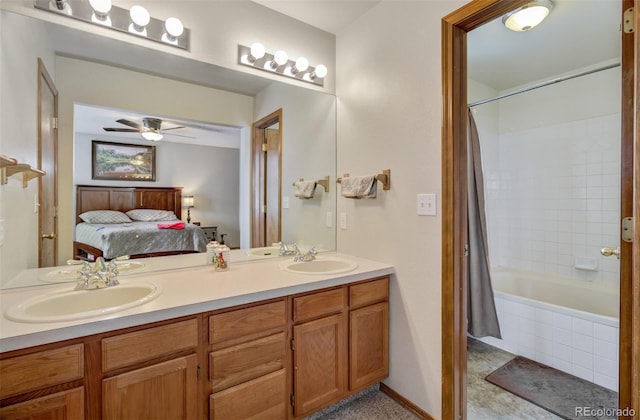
(49, 236)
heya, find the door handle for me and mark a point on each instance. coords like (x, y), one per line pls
(607, 252)
(49, 236)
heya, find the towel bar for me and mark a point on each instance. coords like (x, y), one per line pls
(384, 177)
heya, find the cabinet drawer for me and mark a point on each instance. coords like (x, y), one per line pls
(263, 398)
(67, 404)
(247, 321)
(318, 304)
(369, 292)
(40, 370)
(139, 346)
(243, 362)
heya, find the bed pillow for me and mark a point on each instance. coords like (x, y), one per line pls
(105, 217)
(150, 215)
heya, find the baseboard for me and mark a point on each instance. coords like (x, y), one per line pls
(405, 402)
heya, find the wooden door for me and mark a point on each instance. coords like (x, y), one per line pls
(266, 174)
(368, 345)
(167, 390)
(47, 161)
(454, 29)
(67, 405)
(320, 363)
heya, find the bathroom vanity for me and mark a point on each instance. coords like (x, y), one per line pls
(257, 341)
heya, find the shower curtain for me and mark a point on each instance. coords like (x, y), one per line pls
(481, 311)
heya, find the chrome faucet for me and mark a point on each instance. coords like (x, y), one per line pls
(102, 274)
(309, 256)
(291, 249)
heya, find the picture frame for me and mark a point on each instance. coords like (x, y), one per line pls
(122, 162)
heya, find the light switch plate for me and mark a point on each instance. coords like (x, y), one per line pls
(329, 221)
(285, 202)
(427, 205)
(1, 232)
(343, 220)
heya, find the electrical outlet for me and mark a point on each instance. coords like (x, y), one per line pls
(329, 221)
(343, 220)
(426, 204)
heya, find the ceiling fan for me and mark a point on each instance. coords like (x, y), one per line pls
(151, 128)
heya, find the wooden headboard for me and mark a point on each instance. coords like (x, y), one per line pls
(91, 197)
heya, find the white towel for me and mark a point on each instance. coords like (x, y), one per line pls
(359, 186)
(304, 189)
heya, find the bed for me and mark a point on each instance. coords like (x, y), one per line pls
(104, 232)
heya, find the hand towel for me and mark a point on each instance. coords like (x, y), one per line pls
(176, 225)
(359, 186)
(304, 189)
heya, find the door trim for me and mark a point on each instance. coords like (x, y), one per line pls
(45, 78)
(454, 225)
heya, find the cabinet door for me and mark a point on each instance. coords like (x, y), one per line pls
(167, 390)
(320, 363)
(262, 398)
(65, 405)
(369, 342)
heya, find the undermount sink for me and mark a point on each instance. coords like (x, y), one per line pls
(266, 251)
(321, 265)
(81, 304)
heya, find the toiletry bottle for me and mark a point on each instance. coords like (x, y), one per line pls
(211, 251)
(221, 260)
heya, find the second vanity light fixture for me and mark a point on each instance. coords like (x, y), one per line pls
(136, 21)
(256, 56)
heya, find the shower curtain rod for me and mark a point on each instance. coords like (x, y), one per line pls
(543, 84)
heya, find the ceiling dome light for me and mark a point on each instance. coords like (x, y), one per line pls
(101, 7)
(151, 135)
(140, 16)
(528, 16)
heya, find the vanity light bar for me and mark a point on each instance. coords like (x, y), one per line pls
(120, 19)
(279, 63)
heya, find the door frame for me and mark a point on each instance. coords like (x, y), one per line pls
(46, 82)
(454, 199)
(258, 187)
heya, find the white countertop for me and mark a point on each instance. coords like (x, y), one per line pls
(185, 291)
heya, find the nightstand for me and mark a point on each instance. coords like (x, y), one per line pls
(211, 232)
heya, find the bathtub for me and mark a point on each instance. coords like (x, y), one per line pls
(571, 325)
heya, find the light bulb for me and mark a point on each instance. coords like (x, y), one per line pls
(320, 71)
(302, 64)
(280, 57)
(257, 51)
(140, 16)
(101, 7)
(174, 27)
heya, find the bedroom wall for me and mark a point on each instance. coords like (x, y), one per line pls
(90, 83)
(211, 174)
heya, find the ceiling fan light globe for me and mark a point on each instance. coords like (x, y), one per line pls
(152, 135)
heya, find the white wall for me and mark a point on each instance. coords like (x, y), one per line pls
(389, 116)
(210, 174)
(309, 152)
(19, 138)
(553, 177)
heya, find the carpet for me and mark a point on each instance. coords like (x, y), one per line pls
(563, 394)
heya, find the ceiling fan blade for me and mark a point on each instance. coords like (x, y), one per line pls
(172, 128)
(179, 135)
(121, 130)
(130, 123)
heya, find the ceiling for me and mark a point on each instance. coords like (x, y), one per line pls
(575, 35)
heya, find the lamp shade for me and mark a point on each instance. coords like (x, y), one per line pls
(188, 201)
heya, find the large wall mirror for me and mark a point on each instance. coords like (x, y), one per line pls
(101, 81)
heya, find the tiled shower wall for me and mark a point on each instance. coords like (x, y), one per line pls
(551, 162)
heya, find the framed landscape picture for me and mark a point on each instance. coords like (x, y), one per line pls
(124, 162)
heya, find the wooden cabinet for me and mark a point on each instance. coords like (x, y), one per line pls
(248, 362)
(60, 405)
(162, 390)
(167, 390)
(277, 359)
